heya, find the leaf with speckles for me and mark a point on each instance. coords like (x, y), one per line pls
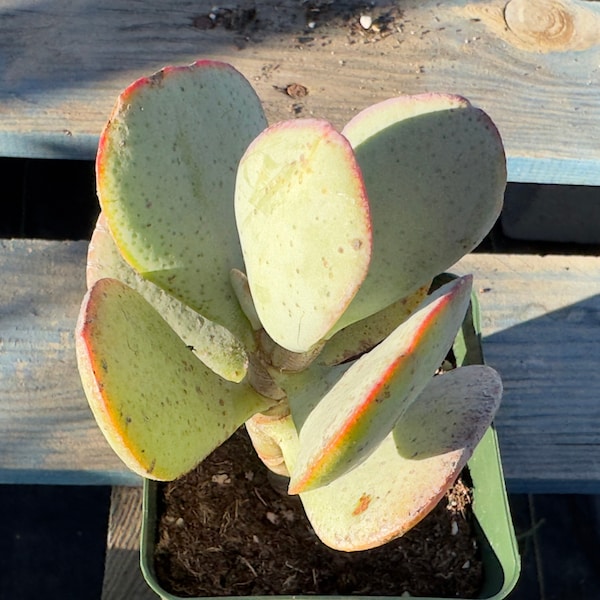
(354, 417)
(159, 407)
(360, 337)
(411, 470)
(435, 173)
(213, 344)
(408, 473)
(166, 168)
(303, 220)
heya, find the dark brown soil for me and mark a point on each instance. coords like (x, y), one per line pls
(224, 530)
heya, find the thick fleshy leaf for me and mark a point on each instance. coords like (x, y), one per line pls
(303, 390)
(160, 408)
(270, 434)
(407, 475)
(166, 174)
(360, 337)
(354, 417)
(435, 172)
(213, 344)
(304, 226)
(404, 479)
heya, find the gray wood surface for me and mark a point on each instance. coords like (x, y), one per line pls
(541, 327)
(532, 64)
(541, 324)
(46, 433)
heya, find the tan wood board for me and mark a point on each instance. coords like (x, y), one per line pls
(533, 65)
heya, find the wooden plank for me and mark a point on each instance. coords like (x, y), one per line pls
(123, 579)
(532, 64)
(46, 430)
(541, 325)
(541, 318)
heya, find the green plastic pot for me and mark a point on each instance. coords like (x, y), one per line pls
(494, 528)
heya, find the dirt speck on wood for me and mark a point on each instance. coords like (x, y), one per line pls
(225, 531)
(256, 19)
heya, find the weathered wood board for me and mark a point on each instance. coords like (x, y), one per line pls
(532, 64)
(541, 325)
(46, 433)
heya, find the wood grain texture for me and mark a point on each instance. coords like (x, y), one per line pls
(46, 429)
(65, 61)
(541, 325)
(551, 25)
(123, 579)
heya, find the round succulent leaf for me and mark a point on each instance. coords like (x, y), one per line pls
(354, 417)
(304, 226)
(411, 470)
(435, 172)
(161, 410)
(166, 168)
(212, 343)
(305, 389)
(361, 336)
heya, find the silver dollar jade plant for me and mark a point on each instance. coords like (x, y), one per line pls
(278, 277)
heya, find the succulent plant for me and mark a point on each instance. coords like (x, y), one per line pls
(279, 277)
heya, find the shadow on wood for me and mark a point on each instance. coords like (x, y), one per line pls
(550, 408)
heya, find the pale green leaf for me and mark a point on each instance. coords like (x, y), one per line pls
(303, 220)
(213, 344)
(435, 173)
(403, 480)
(159, 407)
(354, 417)
(165, 176)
